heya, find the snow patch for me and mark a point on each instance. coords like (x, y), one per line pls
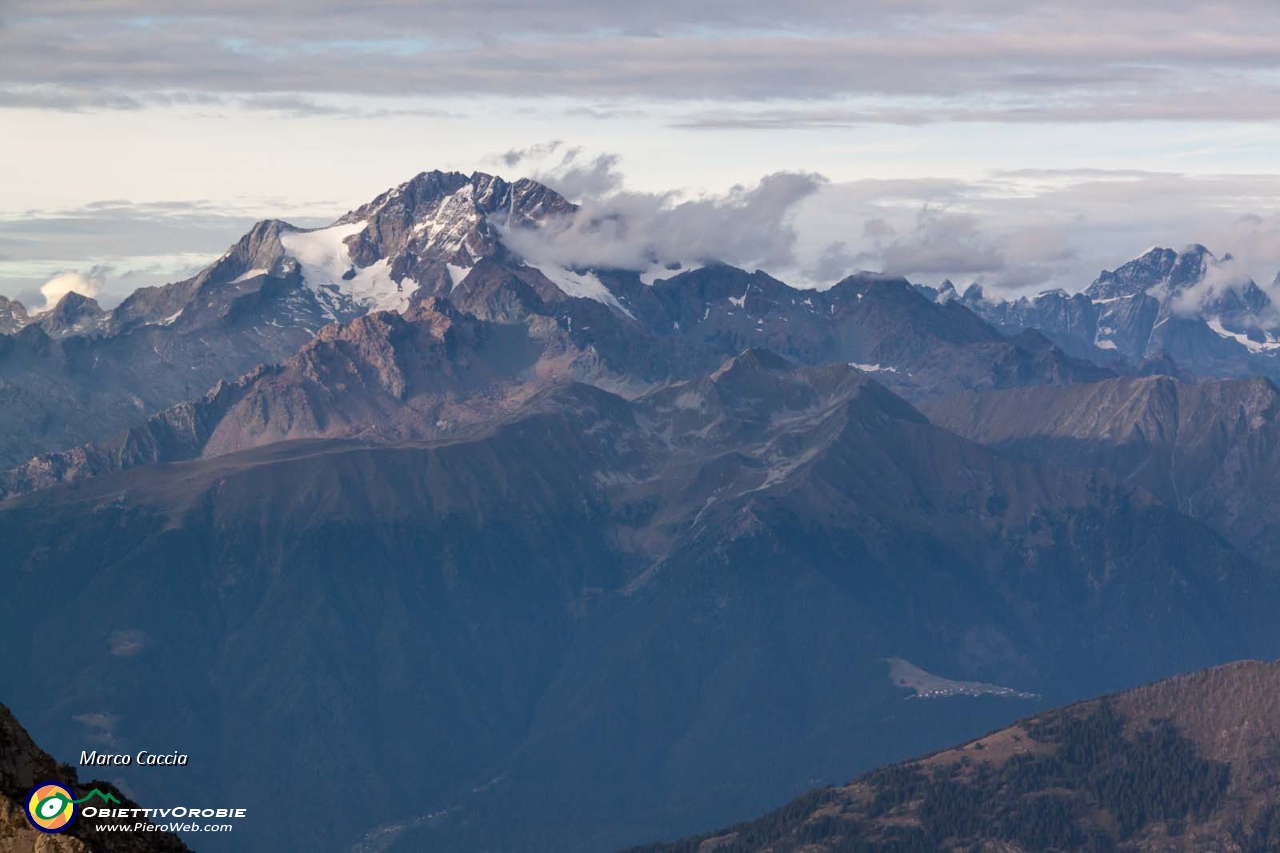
(326, 263)
(253, 273)
(457, 274)
(926, 685)
(873, 368)
(1243, 340)
(583, 285)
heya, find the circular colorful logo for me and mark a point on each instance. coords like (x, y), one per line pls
(50, 807)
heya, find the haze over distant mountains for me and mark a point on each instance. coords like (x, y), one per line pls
(1189, 308)
(76, 373)
(594, 556)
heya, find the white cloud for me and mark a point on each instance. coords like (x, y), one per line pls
(1027, 231)
(1018, 231)
(568, 169)
(939, 242)
(70, 281)
(1014, 231)
(748, 226)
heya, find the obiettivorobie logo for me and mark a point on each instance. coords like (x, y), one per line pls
(51, 807)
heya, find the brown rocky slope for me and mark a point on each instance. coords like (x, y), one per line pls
(1185, 764)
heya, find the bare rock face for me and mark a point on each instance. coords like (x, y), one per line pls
(212, 292)
(13, 316)
(493, 291)
(1158, 269)
(1126, 325)
(383, 376)
(23, 765)
(176, 433)
(74, 315)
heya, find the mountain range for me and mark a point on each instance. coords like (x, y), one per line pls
(1165, 311)
(77, 373)
(527, 557)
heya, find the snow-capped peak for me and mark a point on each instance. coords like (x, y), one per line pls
(1160, 270)
(426, 234)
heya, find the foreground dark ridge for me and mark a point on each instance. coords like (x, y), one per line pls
(1186, 764)
(23, 765)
